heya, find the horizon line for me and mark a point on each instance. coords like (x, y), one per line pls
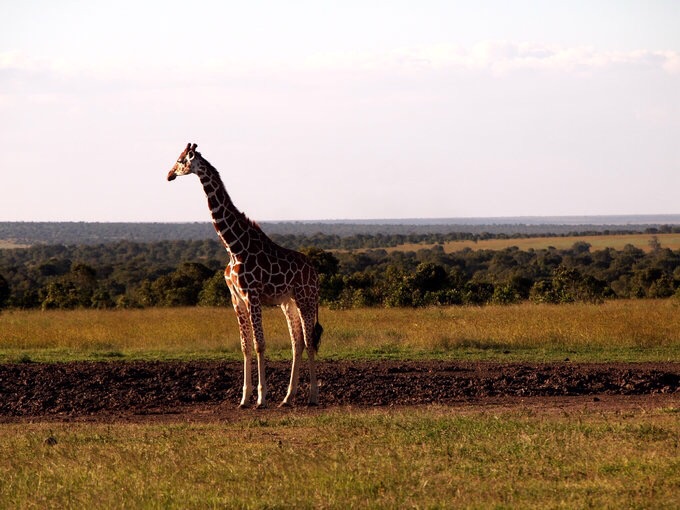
(581, 219)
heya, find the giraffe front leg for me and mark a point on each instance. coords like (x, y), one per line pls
(247, 379)
(246, 334)
(258, 333)
(262, 384)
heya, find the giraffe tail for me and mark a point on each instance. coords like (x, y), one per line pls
(316, 336)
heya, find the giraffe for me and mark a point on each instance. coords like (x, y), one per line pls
(260, 272)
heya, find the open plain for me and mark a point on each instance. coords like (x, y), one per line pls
(416, 434)
(501, 406)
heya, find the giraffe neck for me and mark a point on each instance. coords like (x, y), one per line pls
(232, 225)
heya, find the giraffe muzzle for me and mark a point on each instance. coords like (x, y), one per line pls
(171, 175)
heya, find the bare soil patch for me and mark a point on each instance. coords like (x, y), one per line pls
(208, 390)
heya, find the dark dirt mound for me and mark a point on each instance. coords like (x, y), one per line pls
(85, 389)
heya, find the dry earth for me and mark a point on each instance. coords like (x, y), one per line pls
(208, 390)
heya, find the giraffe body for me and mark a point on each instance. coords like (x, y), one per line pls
(260, 272)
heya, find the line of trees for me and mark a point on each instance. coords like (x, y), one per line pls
(187, 273)
(333, 235)
(433, 277)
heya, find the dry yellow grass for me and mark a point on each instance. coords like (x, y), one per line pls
(153, 329)
(615, 324)
(613, 330)
(8, 245)
(641, 241)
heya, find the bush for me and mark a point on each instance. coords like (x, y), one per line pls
(4, 291)
(505, 295)
(215, 291)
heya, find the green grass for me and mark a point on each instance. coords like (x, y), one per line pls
(638, 330)
(426, 457)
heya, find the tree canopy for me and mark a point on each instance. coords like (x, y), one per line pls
(188, 273)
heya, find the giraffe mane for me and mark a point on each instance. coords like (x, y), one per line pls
(243, 215)
(251, 222)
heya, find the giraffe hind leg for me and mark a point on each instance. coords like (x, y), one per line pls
(297, 340)
(312, 336)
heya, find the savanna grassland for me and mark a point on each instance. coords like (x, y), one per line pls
(358, 458)
(471, 456)
(620, 330)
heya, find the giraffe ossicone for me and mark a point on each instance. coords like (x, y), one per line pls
(260, 272)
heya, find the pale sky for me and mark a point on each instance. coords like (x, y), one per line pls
(340, 110)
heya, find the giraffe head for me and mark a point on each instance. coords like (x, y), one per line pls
(183, 165)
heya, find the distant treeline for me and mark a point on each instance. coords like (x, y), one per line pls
(185, 273)
(327, 235)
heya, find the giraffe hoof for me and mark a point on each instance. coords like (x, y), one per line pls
(261, 406)
(285, 404)
(244, 406)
